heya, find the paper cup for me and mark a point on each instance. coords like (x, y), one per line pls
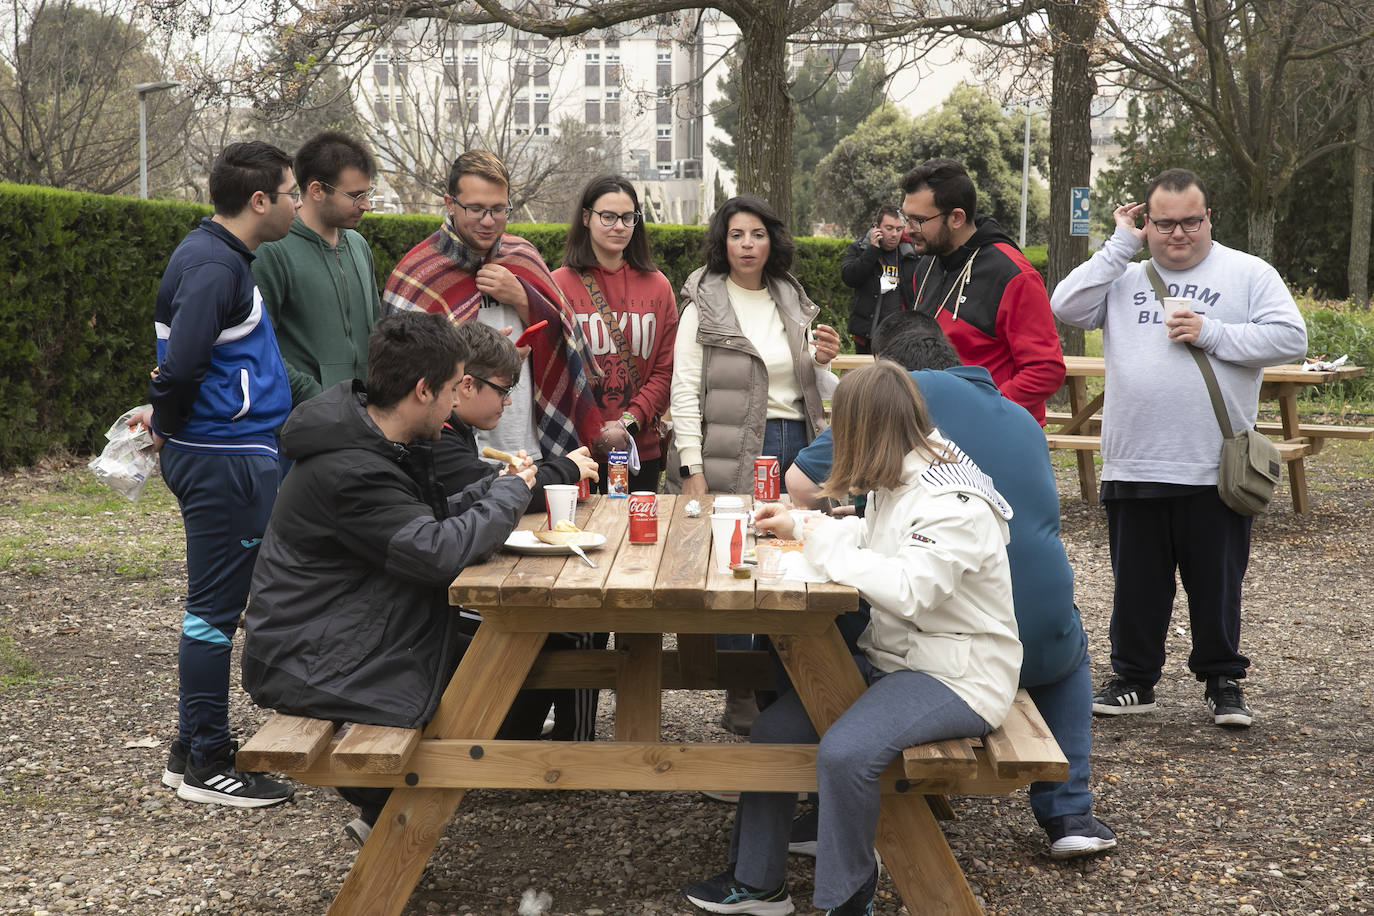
(728, 504)
(723, 528)
(769, 556)
(561, 500)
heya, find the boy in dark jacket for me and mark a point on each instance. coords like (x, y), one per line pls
(878, 267)
(349, 617)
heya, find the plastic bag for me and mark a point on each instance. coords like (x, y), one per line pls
(128, 460)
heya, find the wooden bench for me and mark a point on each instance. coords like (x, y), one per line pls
(316, 752)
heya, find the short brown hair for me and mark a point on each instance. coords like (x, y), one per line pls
(491, 354)
(481, 163)
(879, 416)
(891, 210)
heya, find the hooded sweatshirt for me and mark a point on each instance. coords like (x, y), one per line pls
(323, 303)
(349, 616)
(996, 313)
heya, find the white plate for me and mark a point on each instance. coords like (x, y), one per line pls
(525, 542)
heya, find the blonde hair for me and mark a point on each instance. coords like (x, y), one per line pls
(878, 417)
(481, 163)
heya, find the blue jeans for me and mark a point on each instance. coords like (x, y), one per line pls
(784, 439)
(225, 503)
(897, 710)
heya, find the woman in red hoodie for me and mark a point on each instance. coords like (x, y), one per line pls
(629, 316)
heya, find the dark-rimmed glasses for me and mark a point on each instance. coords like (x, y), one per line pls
(499, 214)
(503, 390)
(918, 222)
(609, 217)
(1167, 226)
(360, 199)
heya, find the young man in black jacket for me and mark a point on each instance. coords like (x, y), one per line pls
(349, 617)
(878, 267)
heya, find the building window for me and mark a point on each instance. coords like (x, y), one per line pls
(665, 56)
(593, 68)
(593, 111)
(541, 131)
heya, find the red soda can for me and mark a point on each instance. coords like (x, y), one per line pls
(584, 488)
(766, 473)
(643, 510)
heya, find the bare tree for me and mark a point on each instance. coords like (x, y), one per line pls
(348, 32)
(68, 110)
(1250, 74)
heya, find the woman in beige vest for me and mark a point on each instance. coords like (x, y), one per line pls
(748, 377)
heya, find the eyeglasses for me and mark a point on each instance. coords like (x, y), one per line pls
(480, 213)
(503, 390)
(1167, 226)
(917, 222)
(609, 217)
(295, 195)
(360, 199)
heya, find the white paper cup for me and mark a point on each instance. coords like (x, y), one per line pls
(723, 528)
(728, 504)
(799, 517)
(561, 500)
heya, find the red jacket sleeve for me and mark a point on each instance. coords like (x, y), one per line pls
(1024, 320)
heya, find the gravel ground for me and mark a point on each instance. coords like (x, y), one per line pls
(1273, 820)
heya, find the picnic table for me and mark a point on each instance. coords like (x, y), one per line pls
(641, 592)
(1080, 429)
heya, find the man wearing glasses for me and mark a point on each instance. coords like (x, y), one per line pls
(1160, 438)
(218, 395)
(472, 269)
(318, 283)
(973, 280)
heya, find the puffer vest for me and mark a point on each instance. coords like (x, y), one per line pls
(734, 380)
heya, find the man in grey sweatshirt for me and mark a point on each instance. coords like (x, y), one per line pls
(1160, 439)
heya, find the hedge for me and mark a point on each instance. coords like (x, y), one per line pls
(81, 274)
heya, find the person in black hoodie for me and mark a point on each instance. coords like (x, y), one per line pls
(878, 267)
(349, 616)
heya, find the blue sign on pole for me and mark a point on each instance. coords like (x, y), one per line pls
(1078, 211)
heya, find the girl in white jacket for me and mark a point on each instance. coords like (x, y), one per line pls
(941, 655)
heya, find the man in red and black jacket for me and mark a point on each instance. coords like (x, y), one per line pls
(989, 300)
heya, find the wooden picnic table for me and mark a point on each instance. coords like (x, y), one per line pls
(1080, 429)
(642, 592)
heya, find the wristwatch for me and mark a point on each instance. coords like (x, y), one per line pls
(686, 471)
(628, 420)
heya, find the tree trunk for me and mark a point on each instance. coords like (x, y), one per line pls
(1261, 218)
(1362, 202)
(765, 109)
(1073, 23)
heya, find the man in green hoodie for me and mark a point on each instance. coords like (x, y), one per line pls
(318, 284)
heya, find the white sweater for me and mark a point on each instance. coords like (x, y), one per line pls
(1157, 421)
(930, 557)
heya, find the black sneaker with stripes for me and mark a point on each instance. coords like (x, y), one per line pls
(1117, 697)
(219, 783)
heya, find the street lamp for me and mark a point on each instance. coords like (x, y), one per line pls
(143, 90)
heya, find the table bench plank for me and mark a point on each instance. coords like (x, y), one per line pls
(375, 748)
(285, 743)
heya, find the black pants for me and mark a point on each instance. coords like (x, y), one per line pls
(1209, 546)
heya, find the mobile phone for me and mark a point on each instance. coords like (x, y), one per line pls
(530, 332)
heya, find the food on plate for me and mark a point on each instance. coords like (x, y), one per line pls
(565, 525)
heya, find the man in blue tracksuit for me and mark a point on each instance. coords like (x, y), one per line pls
(218, 395)
(1006, 442)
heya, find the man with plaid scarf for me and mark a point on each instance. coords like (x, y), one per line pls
(472, 269)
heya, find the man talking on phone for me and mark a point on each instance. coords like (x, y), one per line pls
(878, 267)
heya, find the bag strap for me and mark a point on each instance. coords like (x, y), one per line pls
(612, 326)
(1204, 365)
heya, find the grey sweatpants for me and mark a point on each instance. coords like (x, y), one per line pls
(897, 710)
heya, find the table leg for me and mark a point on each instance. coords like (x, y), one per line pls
(909, 838)
(696, 659)
(1087, 471)
(1287, 395)
(639, 687)
(476, 701)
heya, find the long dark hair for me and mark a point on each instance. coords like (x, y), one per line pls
(577, 251)
(780, 245)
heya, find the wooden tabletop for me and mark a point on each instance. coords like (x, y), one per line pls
(674, 573)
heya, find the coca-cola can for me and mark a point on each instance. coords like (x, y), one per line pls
(643, 517)
(766, 473)
(584, 488)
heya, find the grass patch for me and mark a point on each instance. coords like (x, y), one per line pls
(16, 670)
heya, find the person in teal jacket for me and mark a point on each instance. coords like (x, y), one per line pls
(318, 284)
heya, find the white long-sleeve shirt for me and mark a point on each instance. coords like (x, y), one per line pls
(1157, 420)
